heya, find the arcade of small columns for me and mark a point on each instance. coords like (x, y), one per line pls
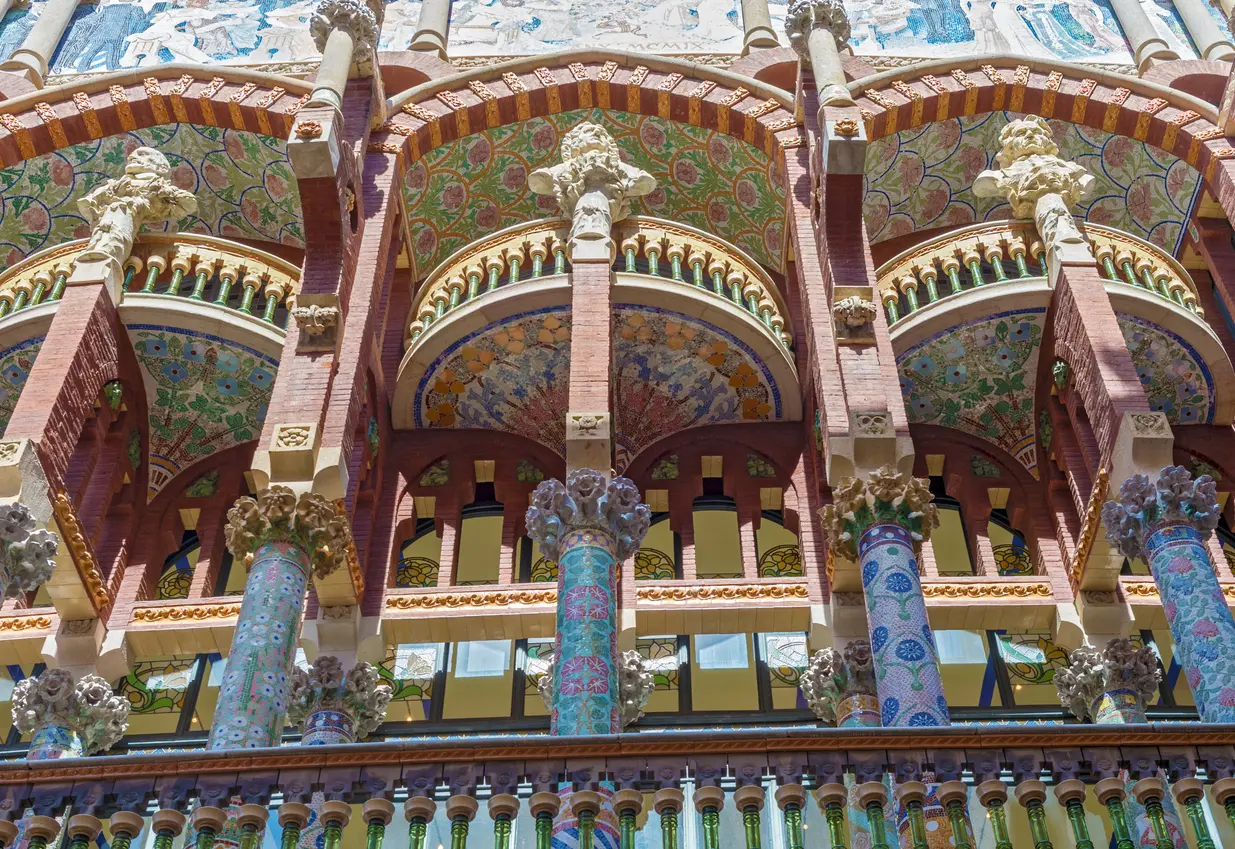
(294, 530)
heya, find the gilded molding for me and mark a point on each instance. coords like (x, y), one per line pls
(993, 589)
(1089, 528)
(186, 613)
(79, 549)
(748, 592)
(455, 601)
(24, 623)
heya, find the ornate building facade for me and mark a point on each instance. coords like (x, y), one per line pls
(702, 423)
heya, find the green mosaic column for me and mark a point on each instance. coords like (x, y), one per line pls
(544, 807)
(293, 817)
(750, 800)
(792, 798)
(1111, 793)
(993, 795)
(419, 811)
(709, 802)
(912, 795)
(1224, 795)
(668, 802)
(284, 539)
(873, 798)
(1190, 794)
(377, 814)
(589, 526)
(503, 808)
(124, 825)
(1032, 796)
(1070, 793)
(880, 524)
(461, 809)
(954, 796)
(335, 815)
(251, 820)
(1150, 792)
(832, 800)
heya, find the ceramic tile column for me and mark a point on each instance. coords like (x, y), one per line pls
(284, 539)
(881, 524)
(1112, 686)
(1167, 523)
(589, 526)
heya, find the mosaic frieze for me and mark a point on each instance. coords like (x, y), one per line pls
(923, 179)
(1176, 379)
(15, 365)
(477, 185)
(243, 183)
(979, 378)
(205, 394)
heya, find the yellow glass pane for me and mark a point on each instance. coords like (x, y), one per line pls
(718, 548)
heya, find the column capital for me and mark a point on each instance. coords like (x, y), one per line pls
(887, 498)
(86, 707)
(362, 21)
(804, 16)
(635, 685)
(1094, 673)
(359, 694)
(833, 676)
(308, 521)
(593, 188)
(29, 555)
(1143, 505)
(587, 501)
(1039, 184)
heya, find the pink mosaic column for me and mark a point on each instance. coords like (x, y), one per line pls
(284, 540)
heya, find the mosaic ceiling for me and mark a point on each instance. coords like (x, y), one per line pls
(205, 394)
(1175, 377)
(671, 372)
(923, 179)
(15, 365)
(979, 378)
(468, 188)
(243, 182)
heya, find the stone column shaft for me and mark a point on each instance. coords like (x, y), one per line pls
(332, 73)
(757, 22)
(31, 60)
(1212, 42)
(589, 526)
(1166, 524)
(1148, 48)
(818, 29)
(285, 539)
(433, 28)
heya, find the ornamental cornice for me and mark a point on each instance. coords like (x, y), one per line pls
(1089, 527)
(477, 600)
(79, 549)
(186, 613)
(14, 624)
(1148, 590)
(989, 590)
(746, 592)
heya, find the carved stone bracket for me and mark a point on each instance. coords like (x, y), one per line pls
(1092, 673)
(855, 319)
(832, 676)
(587, 500)
(1143, 505)
(86, 706)
(359, 695)
(635, 686)
(277, 514)
(1038, 184)
(888, 497)
(317, 317)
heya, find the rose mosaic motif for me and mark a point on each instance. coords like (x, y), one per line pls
(15, 365)
(474, 186)
(206, 394)
(1175, 377)
(243, 183)
(979, 379)
(923, 178)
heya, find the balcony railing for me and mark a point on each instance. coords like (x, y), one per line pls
(1007, 251)
(188, 265)
(646, 246)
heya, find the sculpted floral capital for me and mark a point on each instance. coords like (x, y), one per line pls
(854, 314)
(592, 185)
(803, 16)
(635, 686)
(360, 20)
(359, 693)
(587, 500)
(1092, 673)
(888, 497)
(117, 208)
(29, 555)
(832, 675)
(86, 706)
(315, 319)
(1143, 505)
(308, 521)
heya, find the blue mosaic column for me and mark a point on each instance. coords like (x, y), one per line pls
(284, 539)
(881, 524)
(589, 527)
(1166, 524)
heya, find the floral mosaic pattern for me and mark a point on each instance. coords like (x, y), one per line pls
(205, 394)
(923, 178)
(585, 696)
(1176, 379)
(465, 189)
(979, 378)
(15, 365)
(511, 376)
(243, 182)
(672, 372)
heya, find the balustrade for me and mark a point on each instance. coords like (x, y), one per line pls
(647, 246)
(1009, 251)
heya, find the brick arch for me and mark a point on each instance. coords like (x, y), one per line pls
(1175, 122)
(441, 111)
(45, 121)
